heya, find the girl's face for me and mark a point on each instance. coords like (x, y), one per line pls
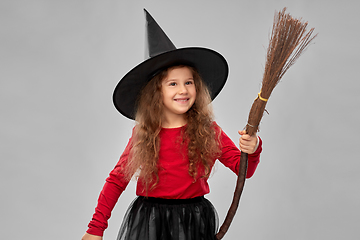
(179, 93)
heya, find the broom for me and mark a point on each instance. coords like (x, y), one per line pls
(287, 41)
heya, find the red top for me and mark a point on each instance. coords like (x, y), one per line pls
(174, 179)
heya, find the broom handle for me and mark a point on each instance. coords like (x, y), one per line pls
(237, 194)
(251, 128)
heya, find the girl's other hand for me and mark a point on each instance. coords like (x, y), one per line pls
(88, 236)
(247, 143)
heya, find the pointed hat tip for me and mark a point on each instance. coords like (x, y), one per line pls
(157, 40)
(147, 14)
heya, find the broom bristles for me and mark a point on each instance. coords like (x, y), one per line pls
(287, 42)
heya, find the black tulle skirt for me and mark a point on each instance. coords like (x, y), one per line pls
(169, 219)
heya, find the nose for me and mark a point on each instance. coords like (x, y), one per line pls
(183, 89)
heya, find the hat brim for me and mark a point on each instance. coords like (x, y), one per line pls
(211, 66)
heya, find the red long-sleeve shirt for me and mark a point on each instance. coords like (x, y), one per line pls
(174, 179)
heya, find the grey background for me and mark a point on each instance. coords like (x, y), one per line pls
(60, 135)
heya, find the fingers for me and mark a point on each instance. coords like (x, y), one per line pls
(246, 136)
(247, 149)
(242, 132)
(247, 143)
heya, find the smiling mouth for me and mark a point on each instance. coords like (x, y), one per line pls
(182, 99)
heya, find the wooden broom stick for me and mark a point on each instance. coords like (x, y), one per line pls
(288, 40)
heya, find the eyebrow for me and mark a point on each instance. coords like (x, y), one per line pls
(175, 79)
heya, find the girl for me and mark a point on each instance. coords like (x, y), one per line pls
(173, 148)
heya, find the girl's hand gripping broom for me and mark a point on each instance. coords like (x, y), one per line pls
(288, 40)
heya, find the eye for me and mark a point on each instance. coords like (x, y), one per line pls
(172, 84)
(189, 82)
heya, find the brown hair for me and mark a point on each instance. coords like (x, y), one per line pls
(200, 132)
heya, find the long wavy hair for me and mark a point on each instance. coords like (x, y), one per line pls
(201, 135)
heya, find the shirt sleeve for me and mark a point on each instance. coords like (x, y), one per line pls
(115, 184)
(230, 156)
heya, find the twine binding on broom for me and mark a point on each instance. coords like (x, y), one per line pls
(261, 98)
(251, 125)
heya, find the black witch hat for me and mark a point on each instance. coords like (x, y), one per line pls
(211, 66)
